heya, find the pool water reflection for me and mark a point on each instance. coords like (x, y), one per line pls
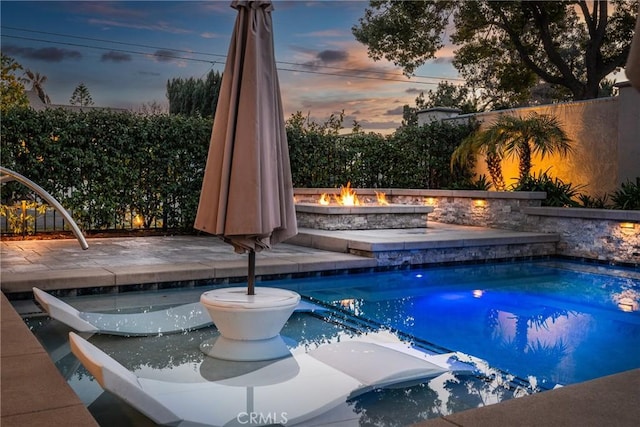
(556, 322)
(177, 358)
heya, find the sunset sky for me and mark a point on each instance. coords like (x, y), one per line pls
(125, 52)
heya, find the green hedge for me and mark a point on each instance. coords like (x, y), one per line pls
(106, 166)
(103, 166)
(412, 157)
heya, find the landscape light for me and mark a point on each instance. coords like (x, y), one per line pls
(138, 221)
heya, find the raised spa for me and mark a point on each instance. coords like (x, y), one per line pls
(362, 217)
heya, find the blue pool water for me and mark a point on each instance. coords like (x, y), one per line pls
(550, 322)
(527, 327)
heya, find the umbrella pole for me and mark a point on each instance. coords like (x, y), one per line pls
(251, 276)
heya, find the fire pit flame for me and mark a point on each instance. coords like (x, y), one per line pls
(382, 199)
(348, 197)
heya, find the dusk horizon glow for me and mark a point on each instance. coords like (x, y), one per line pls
(125, 52)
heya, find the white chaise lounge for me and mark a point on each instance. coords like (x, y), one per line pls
(289, 391)
(186, 317)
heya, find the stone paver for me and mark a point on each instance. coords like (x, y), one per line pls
(62, 264)
(33, 392)
(609, 401)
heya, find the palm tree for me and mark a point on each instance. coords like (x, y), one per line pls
(514, 136)
(536, 134)
(37, 81)
(483, 142)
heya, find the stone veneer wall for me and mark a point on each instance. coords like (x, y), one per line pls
(360, 221)
(598, 234)
(497, 209)
(311, 215)
(463, 254)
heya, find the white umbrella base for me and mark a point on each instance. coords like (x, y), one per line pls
(249, 324)
(185, 317)
(245, 351)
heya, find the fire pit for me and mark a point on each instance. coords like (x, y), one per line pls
(347, 211)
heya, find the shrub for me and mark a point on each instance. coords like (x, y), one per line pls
(412, 157)
(596, 202)
(481, 183)
(105, 166)
(559, 194)
(628, 196)
(20, 219)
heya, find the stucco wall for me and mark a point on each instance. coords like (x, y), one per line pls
(628, 134)
(605, 135)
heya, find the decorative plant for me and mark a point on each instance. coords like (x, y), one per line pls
(595, 202)
(559, 193)
(627, 197)
(536, 134)
(483, 142)
(19, 220)
(515, 136)
(481, 183)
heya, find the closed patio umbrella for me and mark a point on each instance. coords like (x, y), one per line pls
(247, 191)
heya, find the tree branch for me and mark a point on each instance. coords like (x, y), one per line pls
(614, 62)
(602, 23)
(593, 56)
(587, 17)
(554, 56)
(522, 51)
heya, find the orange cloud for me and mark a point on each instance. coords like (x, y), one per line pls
(343, 78)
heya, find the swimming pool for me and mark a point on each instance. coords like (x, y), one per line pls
(545, 322)
(549, 321)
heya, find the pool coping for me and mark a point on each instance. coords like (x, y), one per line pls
(33, 390)
(612, 400)
(30, 264)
